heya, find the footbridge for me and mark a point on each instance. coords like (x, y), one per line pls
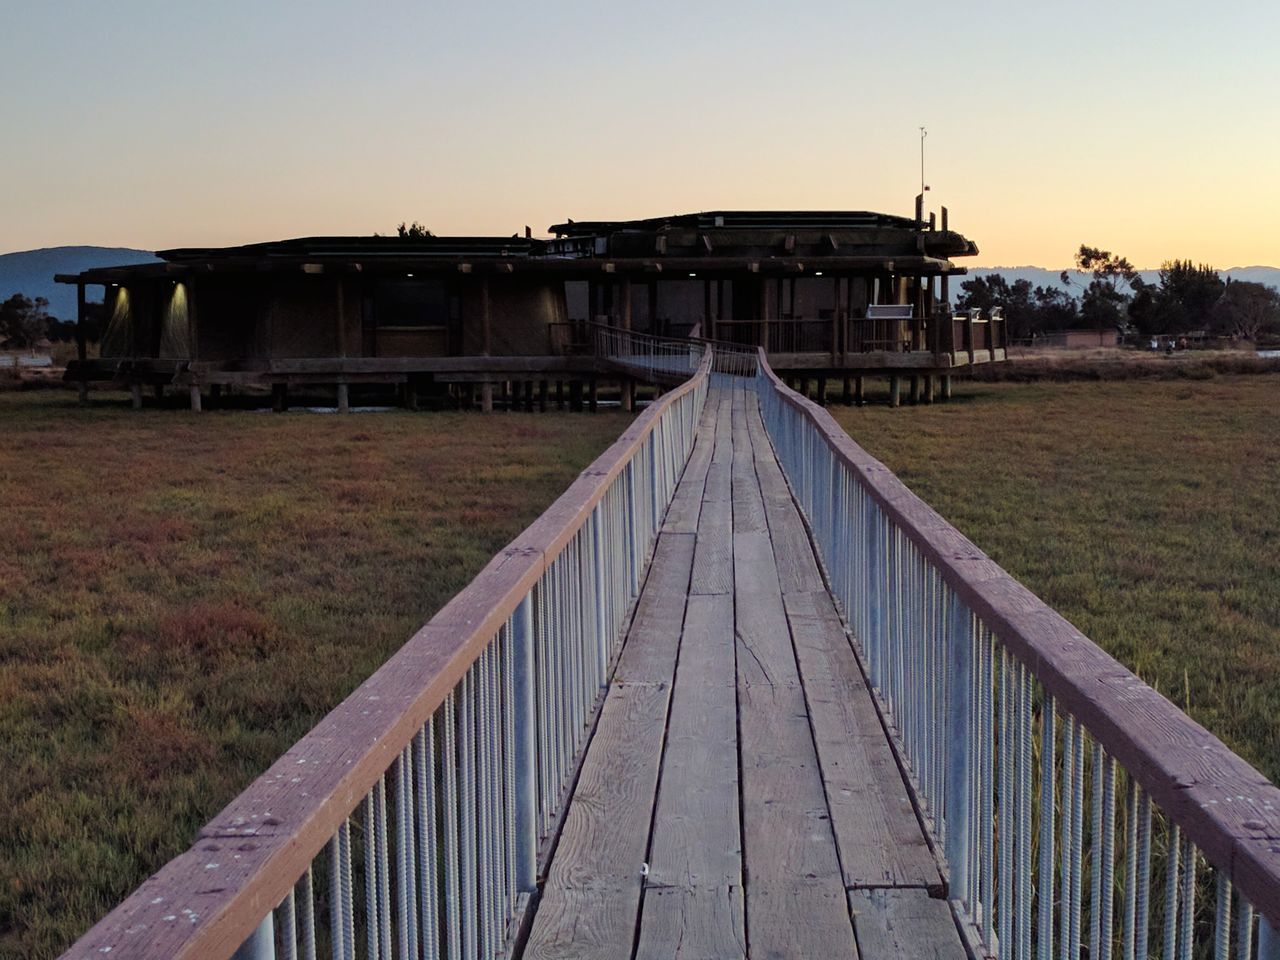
(737, 693)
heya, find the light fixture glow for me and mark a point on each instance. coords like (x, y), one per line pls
(693, 274)
(817, 273)
(409, 275)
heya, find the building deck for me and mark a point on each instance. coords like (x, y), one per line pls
(740, 797)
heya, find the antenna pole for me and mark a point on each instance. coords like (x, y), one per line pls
(923, 133)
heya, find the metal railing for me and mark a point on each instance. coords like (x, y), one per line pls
(1079, 812)
(413, 819)
(644, 355)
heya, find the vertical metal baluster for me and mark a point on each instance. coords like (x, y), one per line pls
(1143, 908)
(988, 787)
(338, 951)
(1077, 845)
(348, 895)
(1174, 848)
(428, 841)
(1130, 868)
(452, 855)
(289, 926)
(371, 900)
(1005, 913)
(308, 899)
(384, 867)
(1222, 918)
(1244, 935)
(406, 850)
(1190, 855)
(467, 827)
(1066, 864)
(1048, 742)
(1108, 856)
(1095, 886)
(1026, 781)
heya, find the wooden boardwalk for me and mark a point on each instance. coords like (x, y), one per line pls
(739, 797)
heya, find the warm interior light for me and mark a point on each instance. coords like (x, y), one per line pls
(817, 273)
(693, 274)
(409, 275)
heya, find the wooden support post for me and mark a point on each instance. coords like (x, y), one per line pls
(915, 389)
(344, 399)
(895, 390)
(411, 395)
(846, 395)
(195, 398)
(928, 388)
(946, 385)
(822, 391)
(559, 394)
(859, 396)
(628, 390)
(279, 397)
(135, 389)
(594, 394)
(542, 396)
(486, 397)
(528, 396)
(513, 399)
(82, 350)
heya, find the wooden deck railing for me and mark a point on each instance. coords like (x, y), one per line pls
(414, 817)
(1022, 737)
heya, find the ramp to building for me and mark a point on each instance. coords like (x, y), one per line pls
(739, 797)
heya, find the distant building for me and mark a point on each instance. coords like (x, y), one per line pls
(441, 309)
(1078, 339)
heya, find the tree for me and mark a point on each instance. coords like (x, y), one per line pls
(1027, 310)
(414, 231)
(23, 321)
(1103, 302)
(1246, 310)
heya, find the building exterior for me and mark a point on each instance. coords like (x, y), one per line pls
(808, 286)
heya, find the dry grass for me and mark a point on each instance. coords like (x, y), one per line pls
(182, 597)
(1030, 365)
(1146, 512)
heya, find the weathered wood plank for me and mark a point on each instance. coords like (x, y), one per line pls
(592, 895)
(649, 653)
(713, 555)
(748, 507)
(795, 893)
(693, 902)
(881, 841)
(686, 504)
(904, 925)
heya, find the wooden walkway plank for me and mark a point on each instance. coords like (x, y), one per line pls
(796, 903)
(904, 925)
(649, 653)
(592, 894)
(693, 901)
(686, 504)
(880, 838)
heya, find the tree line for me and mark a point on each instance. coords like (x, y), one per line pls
(25, 321)
(1186, 298)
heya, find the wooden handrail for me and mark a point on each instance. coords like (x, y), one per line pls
(1223, 804)
(206, 902)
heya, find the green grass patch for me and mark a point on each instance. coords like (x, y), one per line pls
(182, 597)
(1147, 513)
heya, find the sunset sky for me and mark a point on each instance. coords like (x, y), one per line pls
(1152, 129)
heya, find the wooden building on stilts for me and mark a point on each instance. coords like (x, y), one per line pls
(832, 296)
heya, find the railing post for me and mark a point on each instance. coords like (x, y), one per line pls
(261, 944)
(526, 749)
(1268, 940)
(598, 579)
(958, 784)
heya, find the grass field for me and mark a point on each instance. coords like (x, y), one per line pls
(1147, 513)
(182, 597)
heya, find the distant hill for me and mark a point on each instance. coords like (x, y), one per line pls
(31, 272)
(1044, 277)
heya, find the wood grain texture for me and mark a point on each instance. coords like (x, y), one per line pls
(693, 901)
(904, 925)
(649, 653)
(592, 894)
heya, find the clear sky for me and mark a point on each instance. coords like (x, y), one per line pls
(1149, 128)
